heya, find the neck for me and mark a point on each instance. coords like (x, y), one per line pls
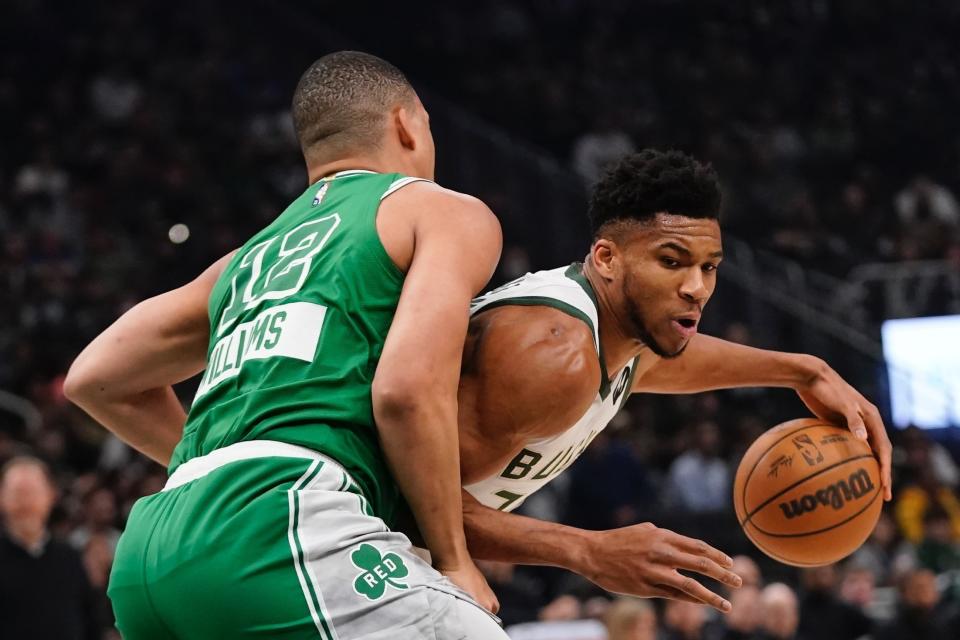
(379, 163)
(618, 346)
(27, 534)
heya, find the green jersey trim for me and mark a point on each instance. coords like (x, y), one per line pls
(575, 273)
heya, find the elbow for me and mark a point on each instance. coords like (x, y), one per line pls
(401, 399)
(78, 386)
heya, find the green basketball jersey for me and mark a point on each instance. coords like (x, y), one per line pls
(298, 320)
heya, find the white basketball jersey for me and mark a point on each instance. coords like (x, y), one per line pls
(543, 459)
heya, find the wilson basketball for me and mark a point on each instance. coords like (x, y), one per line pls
(807, 492)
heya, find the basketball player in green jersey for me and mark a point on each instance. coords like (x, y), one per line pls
(330, 344)
(552, 356)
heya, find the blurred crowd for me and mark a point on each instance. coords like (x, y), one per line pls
(832, 123)
(141, 142)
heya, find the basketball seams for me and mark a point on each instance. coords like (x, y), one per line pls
(795, 485)
(818, 531)
(783, 559)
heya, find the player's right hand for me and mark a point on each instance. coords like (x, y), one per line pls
(644, 560)
(469, 578)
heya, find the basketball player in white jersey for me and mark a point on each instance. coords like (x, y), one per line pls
(551, 357)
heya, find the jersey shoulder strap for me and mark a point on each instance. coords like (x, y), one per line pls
(400, 183)
(565, 289)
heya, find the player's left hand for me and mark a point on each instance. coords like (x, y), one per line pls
(829, 397)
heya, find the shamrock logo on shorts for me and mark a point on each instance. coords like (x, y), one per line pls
(377, 571)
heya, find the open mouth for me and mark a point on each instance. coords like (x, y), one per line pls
(686, 327)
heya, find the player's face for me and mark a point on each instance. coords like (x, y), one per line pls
(669, 273)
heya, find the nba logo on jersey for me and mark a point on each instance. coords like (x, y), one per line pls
(322, 191)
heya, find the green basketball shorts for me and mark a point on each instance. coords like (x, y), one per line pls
(270, 540)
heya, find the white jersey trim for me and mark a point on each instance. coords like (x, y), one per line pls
(400, 183)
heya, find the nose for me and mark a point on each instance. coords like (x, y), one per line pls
(693, 288)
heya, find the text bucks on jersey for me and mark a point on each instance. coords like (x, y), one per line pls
(540, 460)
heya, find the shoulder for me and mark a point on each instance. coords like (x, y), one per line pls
(423, 212)
(423, 199)
(544, 346)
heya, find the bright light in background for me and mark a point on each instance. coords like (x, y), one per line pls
(179, 233)
(923, 364)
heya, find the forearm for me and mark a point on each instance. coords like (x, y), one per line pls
(509, 537)
(710, 363)
(420, 444)
(151, 422)
(123, 378)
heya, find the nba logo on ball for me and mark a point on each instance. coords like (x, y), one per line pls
(808, 514)
(808, 450)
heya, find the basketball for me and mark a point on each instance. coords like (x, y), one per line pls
(807, 492)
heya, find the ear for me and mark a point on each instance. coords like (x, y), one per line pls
(606, 258)
(403, 120)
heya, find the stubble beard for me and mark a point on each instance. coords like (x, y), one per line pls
(639, 327)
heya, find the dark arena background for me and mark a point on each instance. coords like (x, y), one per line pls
(140, 141)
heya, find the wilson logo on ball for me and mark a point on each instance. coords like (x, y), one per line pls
(834, 496)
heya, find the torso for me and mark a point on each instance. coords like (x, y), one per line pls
(523, 468)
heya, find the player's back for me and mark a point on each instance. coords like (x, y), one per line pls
(298, 320)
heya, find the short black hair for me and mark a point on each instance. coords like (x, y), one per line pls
(342, 100)
(641, 185)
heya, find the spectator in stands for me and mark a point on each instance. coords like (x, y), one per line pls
(699, 479)
(885, 554)
(916, 450)
(923, 495)
(923, 199)
(823, 616)
(688, 621)
(99, 516)
(927, 212)
(608, 485)
(749, 572)
(857, 586)
(921, 615)
(746, 614)
(938, 551)
(631, 619)
(780, 614)
(44, 589)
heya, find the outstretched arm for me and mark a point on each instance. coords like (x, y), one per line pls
(641, 560)
(124, 378)
(711, 363)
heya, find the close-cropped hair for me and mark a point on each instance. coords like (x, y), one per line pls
(641, 185)
(342, 101)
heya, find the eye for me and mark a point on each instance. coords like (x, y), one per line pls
(709, 267)
(670, 262)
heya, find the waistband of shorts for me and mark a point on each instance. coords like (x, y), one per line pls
(196, 468)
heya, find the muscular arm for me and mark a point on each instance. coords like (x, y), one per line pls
(710, 363)
(528, 372)
(455, 246)
(124, 378)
